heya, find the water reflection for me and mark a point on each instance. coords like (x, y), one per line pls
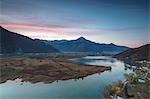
(90, 87)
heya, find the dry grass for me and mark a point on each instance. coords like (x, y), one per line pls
(44, 69)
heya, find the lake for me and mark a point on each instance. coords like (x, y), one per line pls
(90, 87)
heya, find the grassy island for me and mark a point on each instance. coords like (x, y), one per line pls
(45, 68)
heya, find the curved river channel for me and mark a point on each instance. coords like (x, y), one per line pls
(90, 87)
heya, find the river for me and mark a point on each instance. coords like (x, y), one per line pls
(90, 87)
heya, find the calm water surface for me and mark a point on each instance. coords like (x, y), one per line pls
(90, 87)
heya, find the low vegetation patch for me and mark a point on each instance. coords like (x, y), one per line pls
(44, 69)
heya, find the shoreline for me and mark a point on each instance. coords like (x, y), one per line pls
(45, 69)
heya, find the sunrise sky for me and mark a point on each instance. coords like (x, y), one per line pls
(122, 22)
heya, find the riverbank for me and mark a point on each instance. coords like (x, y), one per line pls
(45, 69)
(135, 85)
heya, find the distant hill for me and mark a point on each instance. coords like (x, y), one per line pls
(12, 43)
(140, 53)
(83, 45)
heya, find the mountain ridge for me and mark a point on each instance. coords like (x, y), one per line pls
(137, 54)
(12, 42)
(81, 44)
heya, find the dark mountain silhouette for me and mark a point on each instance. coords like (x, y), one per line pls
(140, 53)
(83, 45)
(15, 43)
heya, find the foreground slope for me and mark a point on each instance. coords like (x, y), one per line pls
(15, 43)
(140, 53)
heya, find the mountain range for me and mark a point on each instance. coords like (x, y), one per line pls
(136, 54)
(83, 45)
(15, 43)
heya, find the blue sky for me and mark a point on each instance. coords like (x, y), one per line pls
(123, 22)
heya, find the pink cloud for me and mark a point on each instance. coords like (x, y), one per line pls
(75, 29)
(35, 26)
